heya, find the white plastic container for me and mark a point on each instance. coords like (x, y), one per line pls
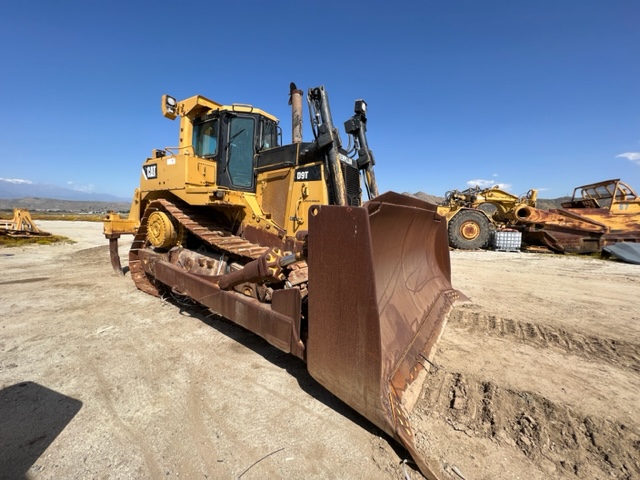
(507, 241)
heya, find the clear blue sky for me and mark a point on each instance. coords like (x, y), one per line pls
(541, 94)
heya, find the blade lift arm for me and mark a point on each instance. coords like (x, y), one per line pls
(328, 139)
(356, 127)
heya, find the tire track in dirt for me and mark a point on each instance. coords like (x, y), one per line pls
(138, 438)
(615, 352)
(584, 446)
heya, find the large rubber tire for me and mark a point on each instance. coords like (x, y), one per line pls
(469, 230)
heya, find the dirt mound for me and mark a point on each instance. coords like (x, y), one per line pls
(596, 348)
(527, 424)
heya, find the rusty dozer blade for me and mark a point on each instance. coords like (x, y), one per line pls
(379, 294)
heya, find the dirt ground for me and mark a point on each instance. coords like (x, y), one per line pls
(538, 376)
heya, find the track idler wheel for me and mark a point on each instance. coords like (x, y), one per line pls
(160, 231)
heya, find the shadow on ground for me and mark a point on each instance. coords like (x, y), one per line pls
(31, 417)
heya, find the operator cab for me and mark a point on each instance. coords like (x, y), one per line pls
(232, 139)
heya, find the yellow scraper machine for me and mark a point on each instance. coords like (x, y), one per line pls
(277, 239)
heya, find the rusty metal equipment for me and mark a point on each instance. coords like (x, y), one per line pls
(599, 214)
(21, 225)
(277, 239)
(473, 214)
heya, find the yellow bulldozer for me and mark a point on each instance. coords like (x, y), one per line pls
(473, 214)
(277, 238)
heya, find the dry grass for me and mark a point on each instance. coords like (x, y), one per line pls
(66, 216)
(7, 241)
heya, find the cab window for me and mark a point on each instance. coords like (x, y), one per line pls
(269, 134)
(205, 138)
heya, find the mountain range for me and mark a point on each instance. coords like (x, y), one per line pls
(13, 189)
(37, 196)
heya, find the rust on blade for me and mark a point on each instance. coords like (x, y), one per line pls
(379, 293)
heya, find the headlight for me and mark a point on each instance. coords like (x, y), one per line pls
(171, 104)
(169, 107)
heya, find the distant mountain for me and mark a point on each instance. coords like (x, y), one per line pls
(426, 197)
(10, 189)
(36, 204)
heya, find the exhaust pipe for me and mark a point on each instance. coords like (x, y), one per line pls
(295, 100)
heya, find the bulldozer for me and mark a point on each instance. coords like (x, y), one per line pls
(278, 239)
(473, 214)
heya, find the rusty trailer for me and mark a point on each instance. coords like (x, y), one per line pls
(598, 214)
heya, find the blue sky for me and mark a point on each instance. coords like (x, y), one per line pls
(541, 94)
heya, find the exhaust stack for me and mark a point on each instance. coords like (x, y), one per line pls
(295, 100)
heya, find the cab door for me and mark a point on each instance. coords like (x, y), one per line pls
(237, 171)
